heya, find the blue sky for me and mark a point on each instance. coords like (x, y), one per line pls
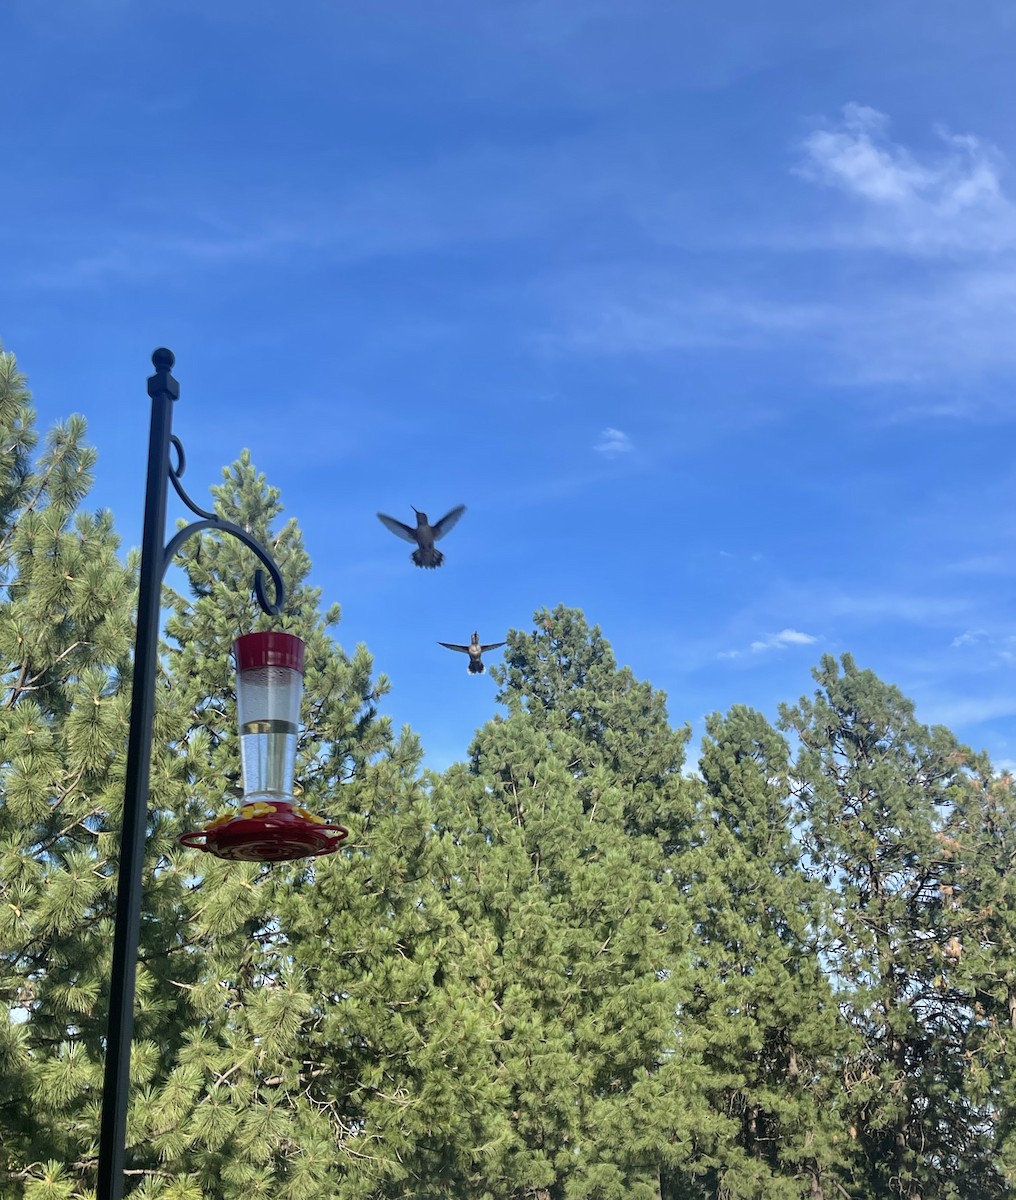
(707, 313)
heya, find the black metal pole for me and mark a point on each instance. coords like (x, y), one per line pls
(155, 557)
(164, 390)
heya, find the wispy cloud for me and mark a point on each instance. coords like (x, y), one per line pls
(982, 564)
(985, 649)
(949, 202)
(880, 607)
(613, 441)
(958, 711)
(786, 637)
(773, 641)
(930, 305)
(954, 327)
(480, 195)
(945, 208)
(642, 311)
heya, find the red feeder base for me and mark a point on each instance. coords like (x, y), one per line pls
(267, 831)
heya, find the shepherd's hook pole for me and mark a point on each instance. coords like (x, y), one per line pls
(155, 556)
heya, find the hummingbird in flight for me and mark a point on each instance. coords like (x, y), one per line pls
(475, 651)
(425, 534)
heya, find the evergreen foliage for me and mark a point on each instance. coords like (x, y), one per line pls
(877, 795)
(219, 1106)
(565, 969)
(557, 876)
(65, 636)
(977, 968)
(761, 1001)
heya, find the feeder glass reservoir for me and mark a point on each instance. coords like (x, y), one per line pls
(269, 689)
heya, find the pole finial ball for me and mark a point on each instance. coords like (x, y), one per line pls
(163, 359)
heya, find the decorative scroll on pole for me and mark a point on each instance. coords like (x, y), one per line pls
(155, 558)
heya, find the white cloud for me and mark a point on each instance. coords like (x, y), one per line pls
(642, 311)
(773, 641)
(985, 648)
(953, 327)
(944, 203)
(968, 638)
(910, 608)
(613, 441)
(947, 324)
(780, 641)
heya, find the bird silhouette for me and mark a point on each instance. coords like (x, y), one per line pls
(474, 650)
(425, 535)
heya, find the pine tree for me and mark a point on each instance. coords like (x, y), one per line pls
(560, 970)
(875, 792)
(366, 1078)
(399, 1051)
(234, 1107)
(977, 970)
(17, 440)
(222, 1102)
(596, 715)
(557, 835)
(65, 634)
(761, 1006)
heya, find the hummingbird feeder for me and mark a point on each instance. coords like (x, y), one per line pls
(270, 826)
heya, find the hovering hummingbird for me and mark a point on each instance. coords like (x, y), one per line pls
(474, 650)
(425, 535)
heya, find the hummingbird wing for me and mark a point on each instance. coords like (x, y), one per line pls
(447, 521)
(396, 527)
(492, 646)
(452, 646)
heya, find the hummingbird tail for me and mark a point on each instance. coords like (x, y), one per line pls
(427, 558)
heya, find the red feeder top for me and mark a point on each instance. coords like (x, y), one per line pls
(255, 650)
